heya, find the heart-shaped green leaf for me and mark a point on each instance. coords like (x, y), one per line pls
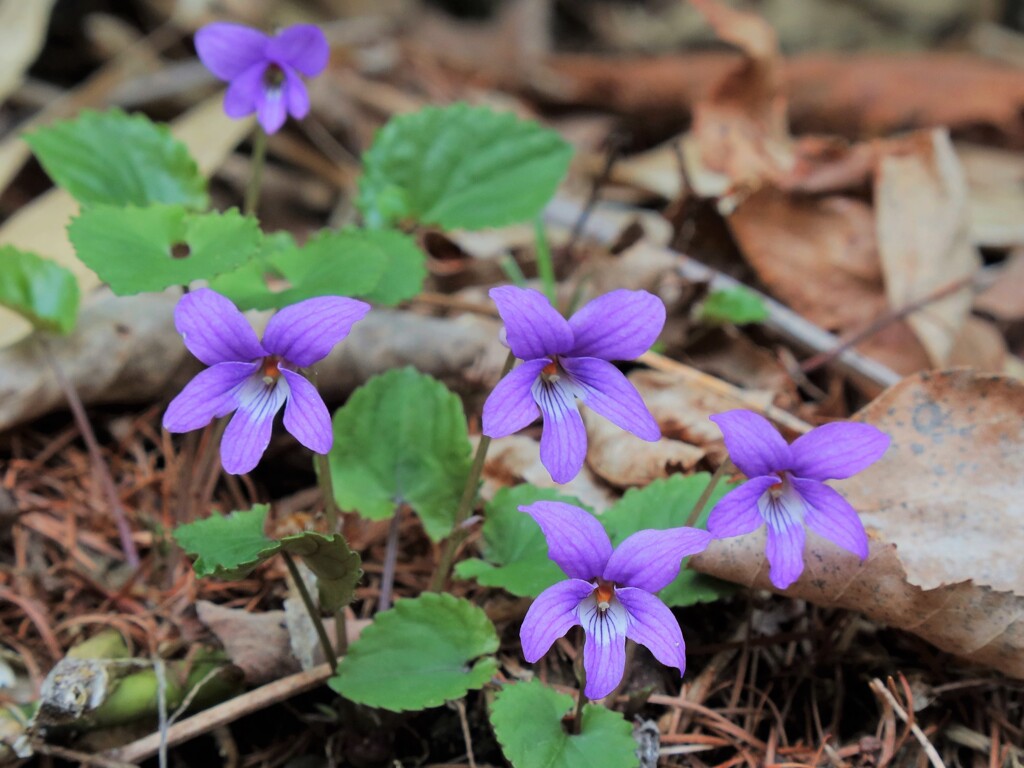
(117, 159)
(527, 719)
(460, 167)
(421, 653)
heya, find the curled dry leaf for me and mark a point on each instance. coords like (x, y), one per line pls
(516, 459)
(923, 237)
(623, 460)
(851, 95)
(943, 508)
(1004, 297)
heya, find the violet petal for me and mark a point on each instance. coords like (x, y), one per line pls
(753, 443)
(837, 450)
(295, 95)
(271, 109)
(306, 332)
(652, 624)
(552, 614)
(302, 46)
(608, 392)
(212, 393)
(620, 325)
(533, 328)
(737, 513)
(245, 92)
(305, 415)
(214, 330)
(604, 651)
(248, 433)
(227, 50)
(828, 514)
(650, 559)
(563, 439)
(785, 546)
(577, 542)
(510, 406)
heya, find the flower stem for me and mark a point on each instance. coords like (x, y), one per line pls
(259, 156)
(323, 479)
(451, 544)
(545, 266)
(581, 700)
(332, 514)
(92, 445)
(387, 579)
(311, 609)
(702, 502)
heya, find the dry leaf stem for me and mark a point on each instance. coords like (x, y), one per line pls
(451, 544)
(124, 530)
(881, 691)
(312, 610)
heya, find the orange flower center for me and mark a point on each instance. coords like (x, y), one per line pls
(270, 370)
(604, 593)
(552, 371)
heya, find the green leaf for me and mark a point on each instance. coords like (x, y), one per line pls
(149, 249)
(514, 548)
(666, 503)
(460, 167)
(228, 546)
(337, 567)
(401, 439)
(40, 290)
(737, 305)
(248, 286)
(527, 719)
(423, 652)
(383, 266)
(119, 159)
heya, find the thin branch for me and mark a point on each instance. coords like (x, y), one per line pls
(124, 530)
(879, 688)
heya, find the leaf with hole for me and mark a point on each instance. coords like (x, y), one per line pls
(150, 249)
(527, 719)
(42, 291)
(515, 552)
(423, 652)
(401, 439)
(667, 503)
(460, 167)
(117, 159)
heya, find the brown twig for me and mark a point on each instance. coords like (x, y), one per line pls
(882, 692)
(225, 713)
(100, 467)
(882, 322)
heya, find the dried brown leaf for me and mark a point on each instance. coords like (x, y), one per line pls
(923, 236)
(819, 256)
(1004, 298)
(623, 460)
(943, 508)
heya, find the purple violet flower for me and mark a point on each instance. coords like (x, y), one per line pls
(610, 594)
(786, 488)
(566, 361)
(263, 71)
(255, 379)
